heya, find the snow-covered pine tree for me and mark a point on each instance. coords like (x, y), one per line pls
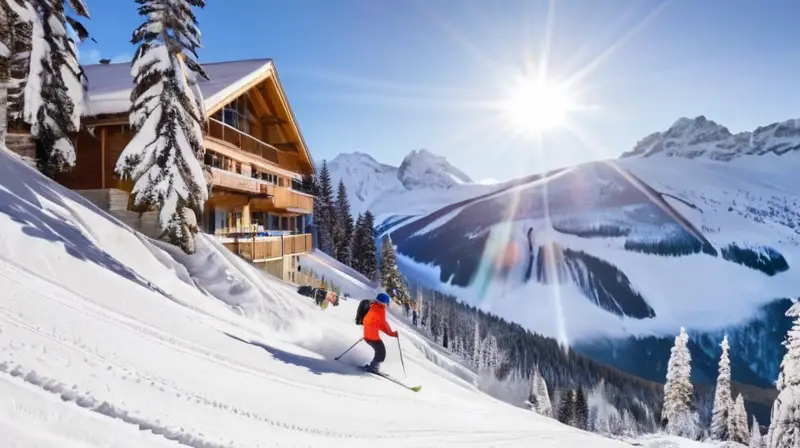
(756, 439)
(739, 432)
(543, 405)
(678, 415)
(477, 347)
(533, 402)
(55, 86)
(324, 211)
(628, 424)
(391, 278)
(344, 227)
(784, 428)
(19, 42)
(6, 51)
(723, 402)
(164, 155)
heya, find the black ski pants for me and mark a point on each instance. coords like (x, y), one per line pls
(380, 352)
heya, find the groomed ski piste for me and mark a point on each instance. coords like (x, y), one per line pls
(110, 339)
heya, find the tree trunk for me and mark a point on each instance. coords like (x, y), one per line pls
(6, 47)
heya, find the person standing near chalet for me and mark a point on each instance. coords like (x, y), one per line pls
(374, 323)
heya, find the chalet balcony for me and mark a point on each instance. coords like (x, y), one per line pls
(230, 136)
(288, 199)
(239, 182)
(258, 249)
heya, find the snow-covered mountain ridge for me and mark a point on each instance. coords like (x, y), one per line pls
(700, 137)
(692, 228)
(422, 183)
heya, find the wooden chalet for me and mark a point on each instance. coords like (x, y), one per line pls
(255, 160)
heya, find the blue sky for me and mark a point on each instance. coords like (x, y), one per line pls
(385, 77)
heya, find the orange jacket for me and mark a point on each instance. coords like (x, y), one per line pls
(376, 320)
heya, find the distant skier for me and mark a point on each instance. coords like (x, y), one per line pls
(375, 321)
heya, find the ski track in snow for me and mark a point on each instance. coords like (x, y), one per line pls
(73, 394)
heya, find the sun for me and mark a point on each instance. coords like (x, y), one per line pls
(536, 105)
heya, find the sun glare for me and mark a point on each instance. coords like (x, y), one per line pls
(535, 105)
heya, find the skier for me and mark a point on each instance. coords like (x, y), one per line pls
(375, 321)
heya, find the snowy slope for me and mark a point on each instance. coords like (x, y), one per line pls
(421, 184)
(686, 230)
(108, 339)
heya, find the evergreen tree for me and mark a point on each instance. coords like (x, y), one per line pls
(369, 256)
(344, 227)
(357, 249)
(756, 439)
(581, 412)
(15, 48)
(677, 414)
(723, 402)
(543, 405)
(324, 211)
(364, 249)
(391, 278)
(55, 85)
(477, 346)
(784, 428)
(739, 432)
(566, 407)
(166, 117)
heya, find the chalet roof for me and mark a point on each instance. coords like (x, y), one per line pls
(109, 85)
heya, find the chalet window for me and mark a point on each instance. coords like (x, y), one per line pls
(237, 115)
(230, 117)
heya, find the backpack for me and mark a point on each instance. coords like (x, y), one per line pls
(363, 308)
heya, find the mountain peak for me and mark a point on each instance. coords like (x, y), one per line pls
(424, 168)
(700, 137)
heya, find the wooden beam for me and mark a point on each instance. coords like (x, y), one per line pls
(287, 146)
(261, 106)
(273, 120)
(262, 91)
(103, 157)
(105, 120)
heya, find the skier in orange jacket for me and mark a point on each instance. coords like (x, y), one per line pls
(374, 323)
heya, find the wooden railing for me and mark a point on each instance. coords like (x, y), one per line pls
(270, 247)
(235, 181)
(287, 198)
(238, 139)
(297, 244)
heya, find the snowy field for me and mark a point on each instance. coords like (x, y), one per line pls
(107, 339)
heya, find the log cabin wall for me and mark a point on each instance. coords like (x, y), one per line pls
(96, 156)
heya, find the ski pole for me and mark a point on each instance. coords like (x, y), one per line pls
(401, 355)
(351, 347)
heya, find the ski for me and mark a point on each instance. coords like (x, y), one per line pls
(394, 380)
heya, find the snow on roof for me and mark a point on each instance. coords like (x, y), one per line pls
(109, 85)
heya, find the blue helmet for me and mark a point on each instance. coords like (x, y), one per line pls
(383, 298)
